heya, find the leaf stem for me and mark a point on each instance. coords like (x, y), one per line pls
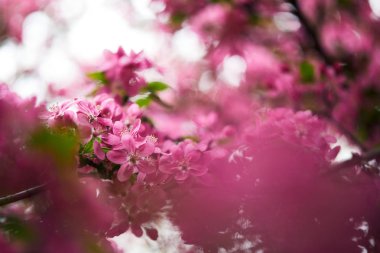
(158, 100)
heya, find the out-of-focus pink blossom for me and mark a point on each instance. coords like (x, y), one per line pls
(184, 160)
(14, 12)
(122, 70)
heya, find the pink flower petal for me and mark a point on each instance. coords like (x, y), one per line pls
(137, 230)
(85, 133)
(136, 127)
(333, 153)
(124, 173)
(128, 142)
(99, 151)
(193, 156)
(181, 176)
(147, 166)
(152, 233)
(111, 139)
(82, 119)
(198, 170)
(105, 122)
(147, 148)
(118, 127)
(118, 229)
(117, 156)
(166, 165)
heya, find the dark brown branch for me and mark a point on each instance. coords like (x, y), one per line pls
(311, 32)
(355, 160)
(22, 195)
(340, 127)
(343, 130)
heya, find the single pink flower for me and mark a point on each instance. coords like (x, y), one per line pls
(185, 160)
(134, 157)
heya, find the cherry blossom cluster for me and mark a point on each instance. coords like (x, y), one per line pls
(118, 135)
(121, 72)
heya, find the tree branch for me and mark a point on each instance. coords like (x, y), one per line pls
(22, 195)
(347, 133)
(311, 32)
(355, 160)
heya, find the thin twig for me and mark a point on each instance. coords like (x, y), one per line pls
(347, 133)
(311, 32)
(341, 128)
(159, 101)
(22, 195)
(355, 160)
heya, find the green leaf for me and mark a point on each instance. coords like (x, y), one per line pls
(177, 18)
(154, 87)
(345, 3)
(88, 148)
(17, 229)
(368, 118)
(60, 145)
(144, 102)
(307, 72)
(99, 77)
(105, 150)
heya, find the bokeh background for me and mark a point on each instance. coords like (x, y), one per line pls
(53, 47)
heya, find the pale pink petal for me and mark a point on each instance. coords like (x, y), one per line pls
(198, 170)
(128, 142)
(140, 177)
(166, 165)
(70, 117)
(99, 151)
(85, 133)
(178, 154)
(82, 119)
(105, 122)
(118, 127)
(117, 156)
(181, 175)
(193, 156)
(136, 127)
(146, 149)
(147, 166)
(189, 147)
(124, 173)
(330, 139)
(111, 139)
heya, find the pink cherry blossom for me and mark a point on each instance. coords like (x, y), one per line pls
(134, 157)
(184, 160)
(122, 70)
